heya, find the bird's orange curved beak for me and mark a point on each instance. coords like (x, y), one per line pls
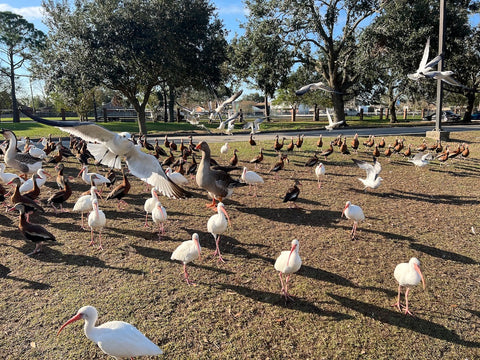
(73, 319)
(197, 244)
(291, 252)
(417, 269)
(343, 212)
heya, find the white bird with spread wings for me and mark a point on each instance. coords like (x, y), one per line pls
(425, 65)
(331, 124)
(221, 107)
(110, 148)
(372, 180)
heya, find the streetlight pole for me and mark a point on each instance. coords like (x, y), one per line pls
(441, 46)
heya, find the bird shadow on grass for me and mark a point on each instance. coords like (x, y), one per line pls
(5, 271)
(385, 234)
(434, 199)
(294, 216)
(394, 318)
(50, 255)
(443, 254)
(278, 300)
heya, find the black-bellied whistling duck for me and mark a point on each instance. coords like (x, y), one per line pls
(120, 190)
(439, 147)
(292, 194)
(465, 152)
(166, 143)
(60, 196)
(33, 232)
(55, 158)
(444, 155)
(395, 143)
(83, 154)
(182, 148)
(49, 145)
(327, 152)
(299, 142)
(370, 142)
(277, 145)
(173, 146)
(433, 147)
(407, 152)
(192, 167)
(422, 147)
(234, 160)
(3, 192)
(168, 160)
(312, 161)
(218, 183)
(291, 146)
(320, 142)
(280, 164)
(257, 159)
(382, 143)
(60, 177)
(159, 150)
(337, 141)
(399, 146)
(388, 152)
(366, 141)
(112, 176)
(35, 191)
(179, 168)
(344, 148)
(355, 143)
(251, 141)
(191, 144)
(455, 153)
(376, 152)
(63, 150)
(146, 144)
(30, 205)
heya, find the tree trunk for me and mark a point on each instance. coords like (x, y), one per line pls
(165, 106)
(294, 113)
(15, 111)
(391, 105)
(338, 108)
(171, 103)
(470, 103)
(141, 119)
(267, 109)
(316, 113)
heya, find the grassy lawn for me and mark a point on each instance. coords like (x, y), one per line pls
(342, 293)
(28, 128)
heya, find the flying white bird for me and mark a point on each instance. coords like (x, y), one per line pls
(445, 76)
(109, 148)
(254, 125)
(421, 159)
(372, 180)
(314, 86)
(231, 119)
(425, 66)
(221, 107)
(331, 124)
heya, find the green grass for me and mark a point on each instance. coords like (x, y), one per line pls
(342, 294)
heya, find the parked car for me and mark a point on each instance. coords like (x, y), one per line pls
(448, 116)
(476, 116)
(351, 112)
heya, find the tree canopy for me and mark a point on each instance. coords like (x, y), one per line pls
(132, 46)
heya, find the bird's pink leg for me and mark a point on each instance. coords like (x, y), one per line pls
(159, 232)
(56, 210)
(91, 237)
(83, 224)
(407, 312)
(62, 209)
(217, 250)
(100, 240)
(187, 279)
(287, 295)
(319, 184)
(37, 249)
(146, 220)
(281, 281)
(397, 304)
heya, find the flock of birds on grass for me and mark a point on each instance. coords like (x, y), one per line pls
(111, 148)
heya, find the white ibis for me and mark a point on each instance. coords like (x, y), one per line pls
(217, 225)
(224, 149)
(288, 263)
(36, 152)
(40, 180)
(115, 338)
(96, 221)
(98, 180)
(110, 148)
(149, 205)
(252, 179)
(319, 172)
(407, 274)
(355, 213)
(186, 252)
(84, 203)
(25, 163)
(159, 217)
(372, 180)
(176, 177)
(7, 177)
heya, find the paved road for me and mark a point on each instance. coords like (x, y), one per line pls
(349, 132)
